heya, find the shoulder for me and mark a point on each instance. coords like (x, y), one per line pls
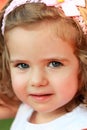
(79, 118)
(22, 114)
(81, 110)
(79, 113)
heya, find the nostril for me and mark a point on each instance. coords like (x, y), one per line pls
(39, 82)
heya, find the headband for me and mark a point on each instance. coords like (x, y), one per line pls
(69, 7)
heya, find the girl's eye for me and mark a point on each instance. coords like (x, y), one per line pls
(22, 66)
(55, 64)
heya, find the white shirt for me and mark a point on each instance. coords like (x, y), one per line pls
(74, 120)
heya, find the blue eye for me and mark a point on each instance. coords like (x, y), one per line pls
(55, 64)
(22, 66)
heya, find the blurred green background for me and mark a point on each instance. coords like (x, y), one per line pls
(5, 124)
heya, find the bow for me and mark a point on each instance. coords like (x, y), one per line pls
(68, 6)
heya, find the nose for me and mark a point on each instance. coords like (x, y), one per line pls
(38, 78)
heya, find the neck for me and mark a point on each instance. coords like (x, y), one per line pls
(38, 117)
(41, 117)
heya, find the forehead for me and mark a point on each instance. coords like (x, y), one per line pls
(53, 28)
(41, 36)
(34, 39)
(58, 28)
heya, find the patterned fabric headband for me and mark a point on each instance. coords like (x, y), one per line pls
(69, 7)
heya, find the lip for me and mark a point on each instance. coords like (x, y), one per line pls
(41, 97)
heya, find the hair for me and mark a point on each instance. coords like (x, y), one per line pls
(31, 13)
(6, 94)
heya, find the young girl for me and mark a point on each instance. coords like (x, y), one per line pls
(46, 55)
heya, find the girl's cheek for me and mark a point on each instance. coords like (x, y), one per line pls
(17, 82)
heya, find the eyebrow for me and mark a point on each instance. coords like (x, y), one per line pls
(64, 59)
(17, 61)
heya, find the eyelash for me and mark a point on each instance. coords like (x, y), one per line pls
(55, 64)
(22, 66)
(52, 64)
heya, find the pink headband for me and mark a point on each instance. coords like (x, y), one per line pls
(68, 6)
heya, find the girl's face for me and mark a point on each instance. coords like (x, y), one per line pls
(44, 68)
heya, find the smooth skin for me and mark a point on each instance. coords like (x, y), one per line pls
(44, 70)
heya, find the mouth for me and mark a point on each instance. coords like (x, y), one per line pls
(40, 97)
